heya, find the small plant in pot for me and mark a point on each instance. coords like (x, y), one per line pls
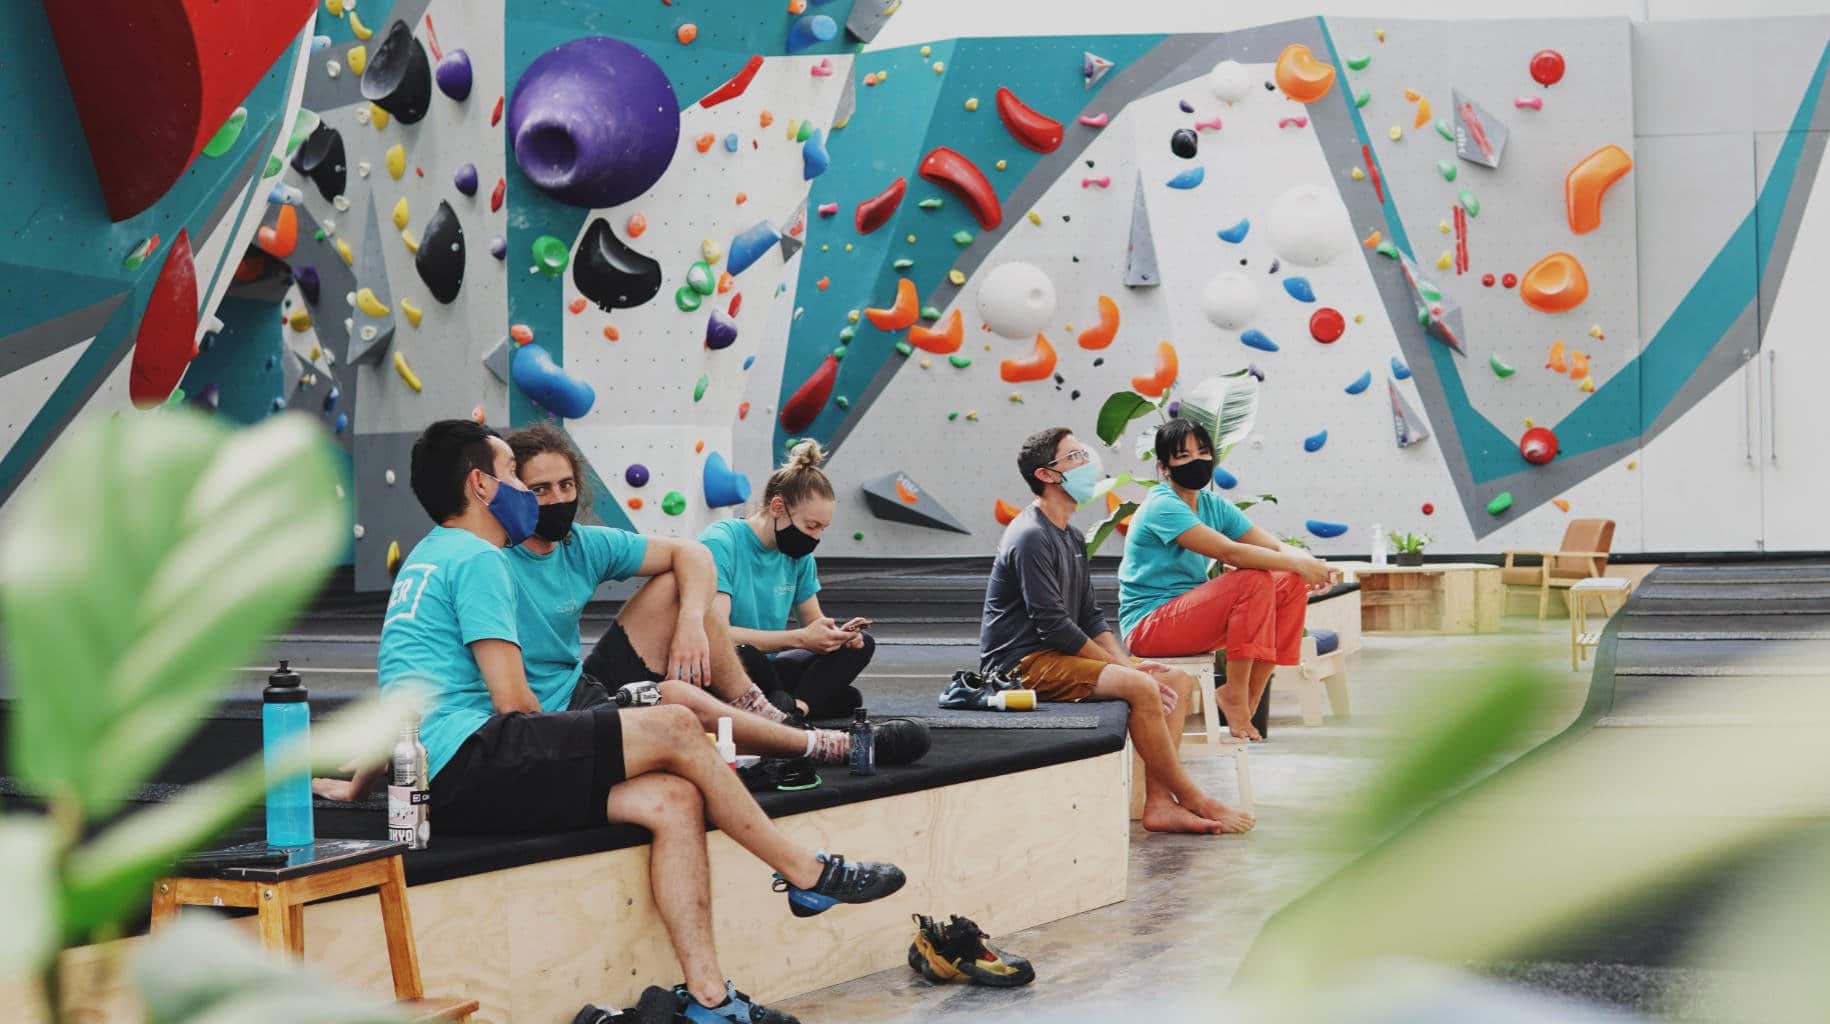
(1409, 548)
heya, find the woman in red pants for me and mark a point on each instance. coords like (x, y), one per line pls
(1167, 606)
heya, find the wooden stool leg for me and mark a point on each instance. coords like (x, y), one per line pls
(397, 925)
(1210, 705)
(1337, 688)
(276, 922)
(295, 929)
(1242, 769)
(164, 903)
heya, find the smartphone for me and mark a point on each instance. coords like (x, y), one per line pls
(856, 624)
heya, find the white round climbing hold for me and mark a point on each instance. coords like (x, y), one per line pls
(1230, 300)
(390, 478)
(1229, 81)
(358, 531)
(1016, 300)
(1308, 226)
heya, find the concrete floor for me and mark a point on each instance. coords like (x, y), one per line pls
(1196, 904)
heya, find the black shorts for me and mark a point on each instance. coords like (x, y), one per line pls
(614, 660)
(534, 772)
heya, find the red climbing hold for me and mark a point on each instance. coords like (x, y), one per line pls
(1547, 67)
(495, 116)
(735, 87)
(167, 339)
(1327, 325)
(1509, 280)
(1028, 125)
(801, 408)
(1538, 446)
(1487, 279)
(1429, 509)
(495, 196)
(876, 211)
(956, 174)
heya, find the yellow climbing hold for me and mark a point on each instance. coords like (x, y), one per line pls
(1357, 174)
(847, 246)
(711, 251)
(1035, 218)
(1359, 318)
(940, 67)
(1587, 385)
(335, 7)
(393, 557)
(972, 414)
(1442, 226)
(378, 117)
(316, 352)
(363, 32)
(1017, 397)
(851, 316)
(794, 124)
(911, 239)
(406, 235)
(405, 371)
(1001, 164)
(412, 311)
(369, 304)
(358, 57)
(1445, 261)
(927, 51)
(1632, 463)
(956, 277)
(972, 103)
(397, 161)
(1395, 132)
(926, 362)
(343, 251)
(400, 213)
(300, 320)
(1595, 331)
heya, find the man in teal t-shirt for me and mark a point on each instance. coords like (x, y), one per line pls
(555, 586)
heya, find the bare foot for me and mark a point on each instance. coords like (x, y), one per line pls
(1213, 810)
(1173, 817)
(1238, 716)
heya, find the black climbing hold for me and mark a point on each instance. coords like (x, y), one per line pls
(441, 254)
(1270, 87)
(398, 78)
(1183, 142)
(1089, 163)
(1075, 395)
(1242, 262)
(320, 158)
(1060, 379)
(1186, 107)
(1100, 361)
(1274, 266)
(610, 273)
(1065, 218)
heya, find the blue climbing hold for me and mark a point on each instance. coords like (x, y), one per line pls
(1299, 289)
(1399, 370)
(720, 331)
(723, 487)
(544, 381)
(810, 30)
(749, 246)
(730, 143)
(814, 158)
(1314, 442)
(1256, 338)
(1237, 232)
(1360, 383)
(748, 361)
(1224, 480)
(341, 425)
(1324, 529)
(1189, 178)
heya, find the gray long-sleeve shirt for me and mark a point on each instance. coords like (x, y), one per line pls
(1040, 595)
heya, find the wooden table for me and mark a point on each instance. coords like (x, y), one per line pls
(1439, 597)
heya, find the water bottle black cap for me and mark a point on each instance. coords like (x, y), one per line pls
(284, 686)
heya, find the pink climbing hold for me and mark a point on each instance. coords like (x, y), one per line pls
(1299, 122)
(823, 69)
(1203, 126)
(1101, 182)
(1099, 120)
(828, 209)
(1534, 102)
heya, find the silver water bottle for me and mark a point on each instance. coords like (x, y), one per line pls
(409, 791)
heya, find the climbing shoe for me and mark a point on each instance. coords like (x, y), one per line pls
(657, 1006)
(957, 951)
(900, 740)
(966, 692)
(842, 881)
(736, 1007)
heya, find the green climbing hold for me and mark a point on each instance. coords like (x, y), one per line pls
(848, 334)
(962, 237)
(139, 254)
(857, 535)
(904, 348)
(699, 388)
(674, 503)
(932, 204)
(1429, 291)
(699, 276)
(1446, 168)
(953, 415)
(551, 255)
(805, 132)
(1359, 63)
(839, 353)
(273, 167)
(1387, 250)
(959, 361)
(687, 299)
(1361, 97)
(175, 399)
(842, 402)
(1500, 370)
(302, 127)
(1469, 203)
(318, 235)
(1499, 505)
(930, 313)
(903, 264)
(1443, 129)
(225, 137)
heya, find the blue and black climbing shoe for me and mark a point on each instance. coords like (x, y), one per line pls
(842, 881)
(957, 951)
(966, 692)
(736, 1007)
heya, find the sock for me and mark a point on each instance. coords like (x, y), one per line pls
(830, 746)
(756, 702)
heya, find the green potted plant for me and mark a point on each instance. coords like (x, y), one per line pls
(1409, 548)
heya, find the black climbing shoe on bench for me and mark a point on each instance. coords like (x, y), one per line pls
(842, 881)
(957, 951)
(900, 740)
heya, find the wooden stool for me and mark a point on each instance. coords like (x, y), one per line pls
(1215, 739)
(325, 870)
(1582, 640)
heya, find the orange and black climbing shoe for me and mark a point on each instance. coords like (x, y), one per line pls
(957, 951)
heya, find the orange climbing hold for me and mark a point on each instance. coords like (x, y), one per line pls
(1588, 181)
(823, 283)
(611, 333)
(1560, 503)
(1372, 241)
(900, 315)
(725, 282)
(1578, 365)
(941, 342)
(1101, 335)
(1038, 365)
(1423, 112)
(1005, 512)
(477, 414)
(1555, 363)
(765, 119)
(743, 411)
(704, 143)
(797, 6)
(687, 33)
(522, 333)
(576, 306)
(1167, 367)
(1302, 77)
(279, 240)
(636, 225)
(635, 504)
(1554, 284)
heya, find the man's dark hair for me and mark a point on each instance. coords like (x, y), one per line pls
(443, 457)
(1169, 438)
(1038, 451)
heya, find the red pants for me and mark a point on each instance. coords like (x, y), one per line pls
(1252, 614)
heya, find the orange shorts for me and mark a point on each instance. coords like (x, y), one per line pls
(1060, 677)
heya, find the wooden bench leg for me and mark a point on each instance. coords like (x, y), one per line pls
(397, 926)
(295, 929)
(1242, 770)
(276, 921)
(164, 903)
(1210, 706)
(1337, 688)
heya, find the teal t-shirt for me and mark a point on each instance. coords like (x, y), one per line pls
(764, 584)
(553, 589)
(1156, 569)
(452, 590)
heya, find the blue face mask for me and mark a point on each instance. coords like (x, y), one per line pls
(517, 510)
(1080, 481)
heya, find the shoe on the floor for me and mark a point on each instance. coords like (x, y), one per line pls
(900, 740)
(957, 951)
(842, 881)
(966, 692)
(657, 1006)
(736, 1007)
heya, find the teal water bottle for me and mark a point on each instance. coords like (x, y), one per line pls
(286, 720)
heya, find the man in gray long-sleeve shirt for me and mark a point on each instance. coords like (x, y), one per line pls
(1042, 620)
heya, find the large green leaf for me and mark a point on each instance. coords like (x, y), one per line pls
(1226, 406)
(27, 895)
(1120, 408)
(1107, 525)
(154, 555)
(205, 972)
(111, 873)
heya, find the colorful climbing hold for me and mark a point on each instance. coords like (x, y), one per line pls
(959, 362)
(1360, 383)
(1039, 364)
(1299, 289)
(543, 380)
(1547, 67)
(1554, 284)
(674, 503)
(1326, 325)
(1101, 334)
(1183, 142)
(939, 342)
(1168, 366)
(699, 277)
(902, 313)
(1004, 512)
(1538, 446)
(1399, 370)
(1027, 125)
(814, 156)
(1255, 338)
(876, 211)
(1324, 529)
(801, 408)
(1302, 77)
(1237, 232)
(1500, 369)
(1588, 181)
(949, 169)
(1500, 504)
(1189, 178)
(1314, 442)
(226, 136)
(550, 255)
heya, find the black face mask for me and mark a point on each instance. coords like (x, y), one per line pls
(1193, 475)
(555, 523)
(790, 541)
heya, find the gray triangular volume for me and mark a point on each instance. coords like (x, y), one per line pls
(1406, 424)
(868, 17)
(1440, 315)
(496, 360)
(370, 336)
(794, 233)
(888, 498)
(1480, 138)
(848, 102)
(1140, 252)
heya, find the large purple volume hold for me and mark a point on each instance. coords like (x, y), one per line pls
(594, 122)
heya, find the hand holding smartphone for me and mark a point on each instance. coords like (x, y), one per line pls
(856, 624)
